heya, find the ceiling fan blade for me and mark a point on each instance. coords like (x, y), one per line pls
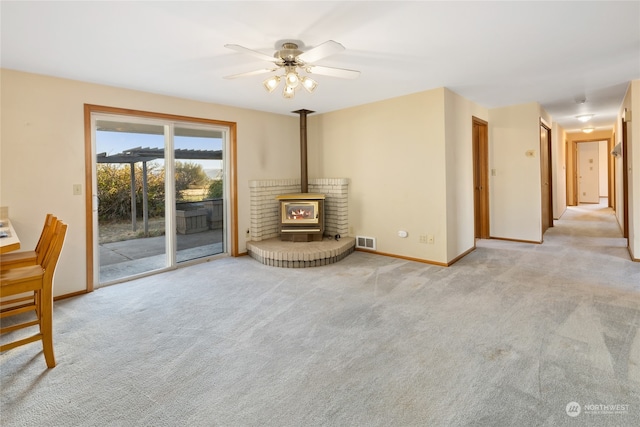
(251, 73)
(255, 53)
(333, 72)
(323, 50)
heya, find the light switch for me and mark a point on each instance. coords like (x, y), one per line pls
(77, 189)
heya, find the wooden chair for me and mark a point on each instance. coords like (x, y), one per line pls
(36, 256)
(29, 288)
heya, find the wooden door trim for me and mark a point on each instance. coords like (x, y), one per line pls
(625, 182)
(549, 174)
(88, 176)
(611, 182)
(573, 180)
(610, 176)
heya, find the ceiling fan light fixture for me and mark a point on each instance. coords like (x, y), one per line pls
(271, 83)
(584, 117)
(588, 130)
(290, 60)
(309, 84)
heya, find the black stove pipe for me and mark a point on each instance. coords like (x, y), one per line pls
(304, 178)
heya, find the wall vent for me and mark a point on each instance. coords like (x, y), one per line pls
(364, 242)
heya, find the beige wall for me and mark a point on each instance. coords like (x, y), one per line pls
(459, 162)
(559, 172)
(515, 197)
(42, 154)
(409, 161)
(393, 153)
(603, 171)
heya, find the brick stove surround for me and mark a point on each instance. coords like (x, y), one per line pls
(265, 207)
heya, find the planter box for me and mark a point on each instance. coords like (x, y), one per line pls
(191, 221)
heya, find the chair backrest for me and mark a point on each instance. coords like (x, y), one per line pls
(45, 238)
(54, 249)
(47, 223)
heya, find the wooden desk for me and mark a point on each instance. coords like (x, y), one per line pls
(11, 242)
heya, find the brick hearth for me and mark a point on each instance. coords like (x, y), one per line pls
(277, 253)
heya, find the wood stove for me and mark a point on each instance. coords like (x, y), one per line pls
(301, 217)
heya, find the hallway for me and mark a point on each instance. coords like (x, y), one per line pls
(585, 246)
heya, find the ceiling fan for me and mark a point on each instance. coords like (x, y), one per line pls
(291, 59)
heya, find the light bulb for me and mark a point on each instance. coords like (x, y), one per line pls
(292, 79)
(588, 130)
(288, 92)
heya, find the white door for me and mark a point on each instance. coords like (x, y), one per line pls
(588, 172)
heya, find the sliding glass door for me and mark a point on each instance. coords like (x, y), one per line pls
(159, 194)
(199, 184)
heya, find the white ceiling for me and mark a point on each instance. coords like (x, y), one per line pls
(493, 53)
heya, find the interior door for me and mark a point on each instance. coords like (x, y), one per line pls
(481, 178)
(588, 172)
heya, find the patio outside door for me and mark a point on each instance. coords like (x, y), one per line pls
(146, 222)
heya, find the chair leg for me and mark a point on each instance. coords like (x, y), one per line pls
(46, 329)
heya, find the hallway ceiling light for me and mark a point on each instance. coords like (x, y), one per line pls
(588, 130)
(584, 117)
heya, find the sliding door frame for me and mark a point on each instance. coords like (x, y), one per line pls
(231, 162)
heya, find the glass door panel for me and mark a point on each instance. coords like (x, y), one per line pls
(130, 172)
(199, 172)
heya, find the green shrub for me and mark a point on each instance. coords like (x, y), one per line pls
(215, 189)
(114, 188)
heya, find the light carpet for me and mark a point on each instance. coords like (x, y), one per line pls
(509, 336)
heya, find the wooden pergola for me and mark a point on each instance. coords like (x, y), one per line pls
(144, 155)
